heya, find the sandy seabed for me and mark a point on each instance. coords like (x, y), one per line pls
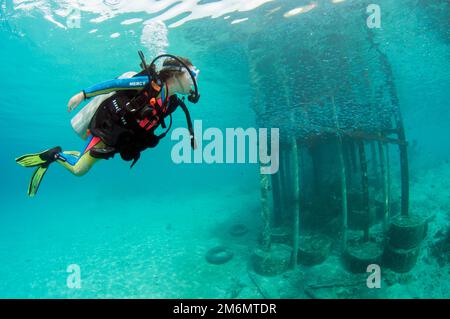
(159, 251)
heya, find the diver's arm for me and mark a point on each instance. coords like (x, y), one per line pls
(75, 101)
(133, 83)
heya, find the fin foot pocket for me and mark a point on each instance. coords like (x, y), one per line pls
(38, 159)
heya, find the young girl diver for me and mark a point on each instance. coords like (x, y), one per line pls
(123, 117)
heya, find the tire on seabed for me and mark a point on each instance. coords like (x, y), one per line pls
(238, 230)
(406, 232)
(219, 255)
(273, 262)
(401, 260)
(359, 255)
(313, 249)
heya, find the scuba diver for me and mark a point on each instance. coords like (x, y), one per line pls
(123, 117)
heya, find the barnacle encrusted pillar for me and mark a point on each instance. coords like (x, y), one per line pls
(296, 201)
(343, 194)
(269, 259)
(277, 199)
(365, 189)
(265, 211)
(383, 152)
(343, 172)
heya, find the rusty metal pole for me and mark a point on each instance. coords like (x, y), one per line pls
(277, 201)
(374, 161)
(386, 193)
(284, 170)
(365, 188)
(265, 212)
(296, 202)
(343, 173)
(404, 173)
(347, 161)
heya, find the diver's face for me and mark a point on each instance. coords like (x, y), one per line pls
(185, 82)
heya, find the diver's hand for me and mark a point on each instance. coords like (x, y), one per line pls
(75, 101)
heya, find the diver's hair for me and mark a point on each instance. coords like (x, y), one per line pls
(167, 72)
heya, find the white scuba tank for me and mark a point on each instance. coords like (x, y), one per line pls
(80, 122)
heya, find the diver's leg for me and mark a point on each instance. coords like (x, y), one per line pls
(79, 163)
(78, 166)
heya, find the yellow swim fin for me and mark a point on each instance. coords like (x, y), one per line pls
(37, 159)
(36, 180)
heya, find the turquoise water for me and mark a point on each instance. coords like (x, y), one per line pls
(144, 232)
